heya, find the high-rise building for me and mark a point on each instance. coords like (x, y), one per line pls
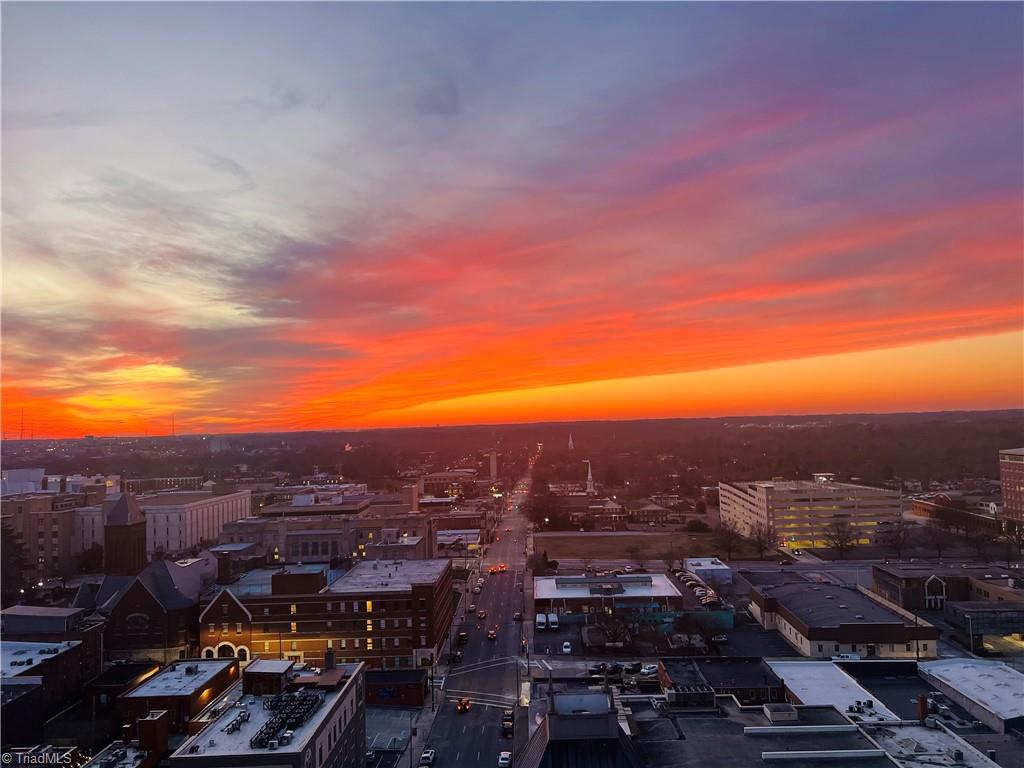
(1011, 477)
(799, 512)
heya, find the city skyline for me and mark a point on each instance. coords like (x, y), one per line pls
(282, 217)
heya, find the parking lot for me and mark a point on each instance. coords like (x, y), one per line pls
(548, 642)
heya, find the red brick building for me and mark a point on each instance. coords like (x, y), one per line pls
(183, 688)
(388, 614)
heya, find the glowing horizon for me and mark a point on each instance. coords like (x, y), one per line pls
(357, 216)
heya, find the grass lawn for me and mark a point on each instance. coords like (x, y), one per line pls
(655, 546)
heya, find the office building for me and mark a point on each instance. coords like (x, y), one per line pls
(44, 524)
(388, 614)
(1011, 478)
(798, 513)
(57, 666)
(991, 691)
(182, 522)
(279, 718)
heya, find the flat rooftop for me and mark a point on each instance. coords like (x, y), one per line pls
(175, 498)
(270, 666)
(14, 656)
(917, 745)
(825, 605)
(821, 737)
(40, 610)
(177, 679)
(636, 585)
(704, 562)
(811, 486)
(216, 740)
(822, 682)
(258, 580)
(992, 685)
(388, 576)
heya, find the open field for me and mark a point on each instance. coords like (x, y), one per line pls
(615, 545)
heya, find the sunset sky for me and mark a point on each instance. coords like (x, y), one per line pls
(284, 216)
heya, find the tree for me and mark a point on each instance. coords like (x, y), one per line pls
(1017, 537)
(697, 526)
(762, 540)
(897, 536)
(13, 564)
(726, 538)
(984, 542)
(937, 533)
(91, 560)
(841, 537)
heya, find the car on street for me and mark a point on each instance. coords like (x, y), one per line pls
(481, 614)
(462, 705)
(649, 669)
(628, 569)
(720, 639)
(652, 524)
(566, 647)
(476, 590)
(427, 757)
(503, 568)
(493, 569)
(508, 530)
(492, 635)
(371, 756)
(517, 616)
(615, 668)
(456, 657)
(633, 667)
(504, 759)
(472, 608)
(463, 637)
(597, 669)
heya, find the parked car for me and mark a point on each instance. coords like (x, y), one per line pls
(517, 616)
(633, 667)
(614, 669)
(371, 756)
(628, 569)
(504, 760)
(720, 639)
(649, 669)
(567, 647)
(472, 608)
(427, 757)
(481, 614)
(476, 590)
(597, 669)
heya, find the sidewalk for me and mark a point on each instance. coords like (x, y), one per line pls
(423, 724)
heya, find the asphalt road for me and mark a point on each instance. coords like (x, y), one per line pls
(489, 672)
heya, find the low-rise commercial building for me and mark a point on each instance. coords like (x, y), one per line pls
(284, 720)
(57, 667)
(389, 614)
(991, 691)
(823, 621)
(710, 570)
(56, 625)
(183, 689)
(930, 587)
(750, 680)
(798, 513)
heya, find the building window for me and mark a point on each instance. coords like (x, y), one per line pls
(908, 646)
(369, 643)
(423, 639)
(295, 627)
(342, 643)
(266, 611)
(369, 625)
(330, 624)
(224, 609)
(292, 610)
(330, 644)
(369, 606)
(224, 627)
(266, 646)
(924, 646)
(295, 646)
(238, 628)
(213, 628)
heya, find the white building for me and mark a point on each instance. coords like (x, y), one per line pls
(21, 481)
(710, 570)
(991, 691)
(799, 512)
(178, 522)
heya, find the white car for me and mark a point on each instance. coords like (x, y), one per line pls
(427, 757)
(628, 569)
(567, 647)
(504, 759)
(649, 669)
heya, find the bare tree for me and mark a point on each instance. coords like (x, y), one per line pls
(762, 540)
(1017, 537)
(984, 543)
(937, 533)
(726, 538)
(897, 536)
(841, 537)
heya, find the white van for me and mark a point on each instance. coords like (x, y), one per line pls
(553, 620)
(846, 657)
(541, 622)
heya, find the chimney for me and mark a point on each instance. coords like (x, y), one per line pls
(922, 707)
(329, 660)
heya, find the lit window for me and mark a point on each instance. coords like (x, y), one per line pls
(369, 606)
(295, 627)
(293, 608)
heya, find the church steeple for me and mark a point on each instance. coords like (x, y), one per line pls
(572, 447)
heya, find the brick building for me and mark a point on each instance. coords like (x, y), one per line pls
(388, 614)
(1011, 478)
(183, 688)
